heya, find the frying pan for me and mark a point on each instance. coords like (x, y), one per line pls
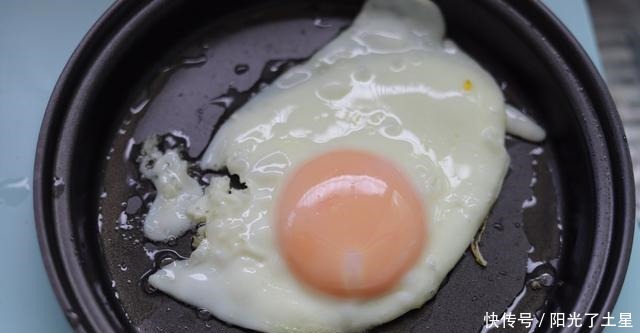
(179, 68)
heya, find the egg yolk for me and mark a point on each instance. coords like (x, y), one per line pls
(350, 224)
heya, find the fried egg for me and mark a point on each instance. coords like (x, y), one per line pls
(367, 170)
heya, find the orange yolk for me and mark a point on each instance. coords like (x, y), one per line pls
(350, 224)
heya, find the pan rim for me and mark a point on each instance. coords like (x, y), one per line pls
(618, 155)
(86, 316)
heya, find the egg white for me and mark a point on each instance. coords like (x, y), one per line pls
(390, 84)
(175, 191)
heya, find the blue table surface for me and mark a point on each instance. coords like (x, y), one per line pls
(36, 39)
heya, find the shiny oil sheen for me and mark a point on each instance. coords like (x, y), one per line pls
(391, 85)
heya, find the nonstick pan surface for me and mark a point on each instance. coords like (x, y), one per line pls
(557, 239)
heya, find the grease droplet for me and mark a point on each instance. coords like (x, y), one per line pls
(194, 61)
(204, 314)
(321, 24)
(544, 280)
(147, 287)
(241, 69)
(58, 186)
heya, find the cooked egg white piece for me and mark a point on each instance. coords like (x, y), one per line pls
(175, 192)
(395, 92)
(520, 125)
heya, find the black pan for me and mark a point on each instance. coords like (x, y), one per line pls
(162, 66)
